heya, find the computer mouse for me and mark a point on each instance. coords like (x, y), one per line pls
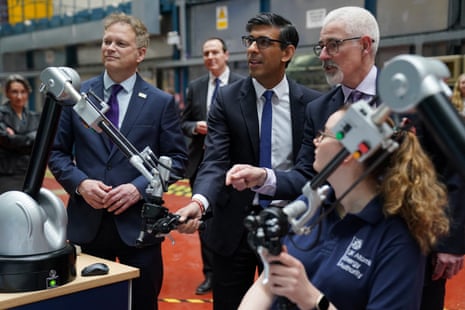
(95, 269)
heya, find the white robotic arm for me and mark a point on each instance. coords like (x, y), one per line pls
(63, 83)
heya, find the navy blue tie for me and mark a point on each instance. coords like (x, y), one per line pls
(215, 90)
(113, 112)
(265, 137)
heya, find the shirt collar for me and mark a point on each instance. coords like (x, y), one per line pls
(280, 90)
(223, 77)
(367, 86)
(372, 212)
(127, 84)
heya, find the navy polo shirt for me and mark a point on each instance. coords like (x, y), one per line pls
(363, 261)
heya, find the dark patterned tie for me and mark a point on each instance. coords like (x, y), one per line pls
(265, 137)
(113, 112)
(215, 90)
(355, 96)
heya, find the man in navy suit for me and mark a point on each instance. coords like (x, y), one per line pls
(234, 137)
(347, 48)
(200, 95)
(106, 191)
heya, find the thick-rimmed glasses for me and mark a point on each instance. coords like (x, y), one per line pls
(262, 42)
(321, 135)
(332, 46)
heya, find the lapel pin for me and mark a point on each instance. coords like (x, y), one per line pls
(142, 95)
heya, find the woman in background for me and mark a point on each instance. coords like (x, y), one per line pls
(18, 127)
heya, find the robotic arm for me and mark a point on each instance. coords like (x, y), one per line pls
(412, 82)
(268, 227)
(62, 82)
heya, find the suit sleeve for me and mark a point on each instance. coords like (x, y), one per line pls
(61, 160)
(454, 242)
(289, 183)
(217, 160)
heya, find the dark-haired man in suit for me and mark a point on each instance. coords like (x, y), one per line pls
(235, 135)
(201, 93)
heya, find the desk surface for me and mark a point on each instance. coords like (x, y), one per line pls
(118, 272)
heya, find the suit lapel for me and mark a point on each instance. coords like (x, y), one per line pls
(203, 90)
(136, 103)
(297, 115)
(248, 102)
(337, 99)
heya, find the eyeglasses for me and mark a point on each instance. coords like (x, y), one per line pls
(321, 135)
(262, 42)
(332, 46)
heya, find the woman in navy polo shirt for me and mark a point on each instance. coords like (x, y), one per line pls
(369, 251)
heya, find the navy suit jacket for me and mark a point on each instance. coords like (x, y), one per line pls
(196, 110)
(233, 138)
(79, 153)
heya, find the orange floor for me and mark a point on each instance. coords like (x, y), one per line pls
(183, 264)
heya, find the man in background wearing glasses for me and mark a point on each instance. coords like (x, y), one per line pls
(347, 49)
(234, 136)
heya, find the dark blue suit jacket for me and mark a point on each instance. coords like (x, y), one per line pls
(233, 138)
(79, 153)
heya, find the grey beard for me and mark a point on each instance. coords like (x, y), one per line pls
(335, 79)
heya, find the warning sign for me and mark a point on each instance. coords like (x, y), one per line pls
(221, 17)
(315, 18)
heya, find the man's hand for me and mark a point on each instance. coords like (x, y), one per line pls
(120, 198)
(201, 127)
(447, 265)
(190, 217)
(10, 131)
(94, 192)
(245, 176)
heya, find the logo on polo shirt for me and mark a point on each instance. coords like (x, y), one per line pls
(352, 261)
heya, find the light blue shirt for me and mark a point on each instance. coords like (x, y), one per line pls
(124, 96)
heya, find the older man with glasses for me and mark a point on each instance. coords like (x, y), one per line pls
(258, 120)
